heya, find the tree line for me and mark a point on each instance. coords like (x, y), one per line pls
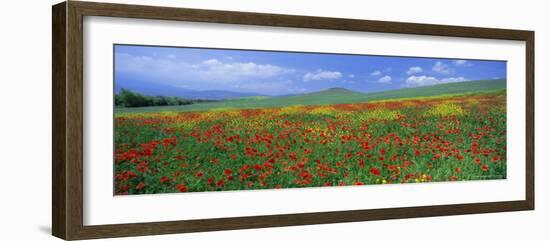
(127, 98)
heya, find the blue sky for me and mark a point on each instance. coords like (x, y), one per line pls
(281, 73)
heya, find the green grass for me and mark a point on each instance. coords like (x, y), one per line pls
(333, 96)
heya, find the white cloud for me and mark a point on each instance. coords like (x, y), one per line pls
(462, 62)
(376, 73)
(385, 80)
(414, 70)
(441, 68)
(351, 76)
(204, 75)
(211, 69)
(453, 79)
(211, 62)
(215, 69)
(423, 80)
(322, 75)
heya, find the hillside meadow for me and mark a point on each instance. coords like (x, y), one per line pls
(330, 138)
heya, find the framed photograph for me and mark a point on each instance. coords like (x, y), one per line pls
(171, 120)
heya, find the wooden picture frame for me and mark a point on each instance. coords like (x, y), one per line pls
(67, 76)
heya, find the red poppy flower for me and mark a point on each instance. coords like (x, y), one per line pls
(478, 160)
(181, 187)
(124, 188)
(484, 168)
(220, 183)
(164, 179)
(140, 186)
(257, 167)
(214, 160)
(142, 166)
(131, 174)
(375, 171)
(199, 174)
(458, 170)
(227, 171)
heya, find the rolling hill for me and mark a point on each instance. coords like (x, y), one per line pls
(441, 89)
(335, 96)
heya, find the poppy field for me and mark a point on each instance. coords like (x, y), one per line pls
(430, 139)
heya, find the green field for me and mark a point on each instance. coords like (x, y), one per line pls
(333, 96)
(448, 137)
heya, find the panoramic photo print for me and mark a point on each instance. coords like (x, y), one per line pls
(200, 119)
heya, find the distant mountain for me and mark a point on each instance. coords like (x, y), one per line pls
(336, 90)
(166, 90)
(214, 94)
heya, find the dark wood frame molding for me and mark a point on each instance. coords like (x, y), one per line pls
(67, 124)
